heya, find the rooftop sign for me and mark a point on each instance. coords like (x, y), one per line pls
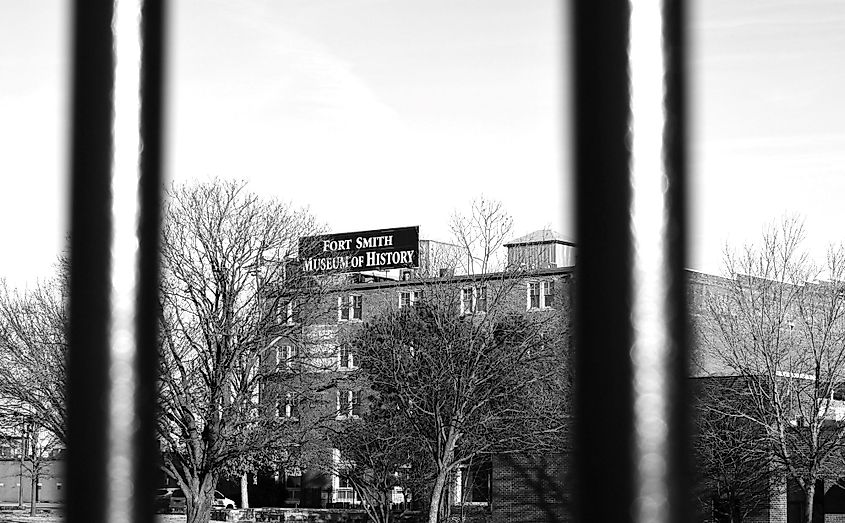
(375, 250)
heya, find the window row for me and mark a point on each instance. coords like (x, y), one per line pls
(539, 295)
(347, 405)
(287, 357)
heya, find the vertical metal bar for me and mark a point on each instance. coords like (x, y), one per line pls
(153, 31)
(657, 224)
(93, 78)
(604, 417)
(630, 312)
(115, 170)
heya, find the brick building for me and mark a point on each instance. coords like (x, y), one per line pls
(771, 498)
(316, 377)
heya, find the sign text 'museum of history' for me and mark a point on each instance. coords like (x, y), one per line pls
(375, 250)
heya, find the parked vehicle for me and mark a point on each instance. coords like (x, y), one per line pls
(222, 501)
(177, 501)
(162, 498)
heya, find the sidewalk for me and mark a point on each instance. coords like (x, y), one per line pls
(45, 513)
(8, 505)
(53, 513)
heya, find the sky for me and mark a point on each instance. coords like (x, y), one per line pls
(387, 113)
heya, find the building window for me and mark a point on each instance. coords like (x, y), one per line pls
(356, 404)
(346, 356)
(541, 295)
(343, 308)
(466, 300)
(343, 491)
(474, 299)
(408, 298)
(350, 307)
(291, 409)
(287, 313)
(481, 299)
(290, 310)
(548, 293)
(356, 307)
(472, 484)
(348, 404)
(533, 295)
(293, 486)
(291, 357)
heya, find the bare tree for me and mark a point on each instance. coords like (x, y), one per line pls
(466, 385)
(481, 234)
(219, 299)
(779, 323)
(376, 455)
(33, 350)
(37, 445)
(734, 468)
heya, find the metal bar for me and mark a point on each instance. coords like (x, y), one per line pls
(115, 170)
(630, 310)
(153, 31)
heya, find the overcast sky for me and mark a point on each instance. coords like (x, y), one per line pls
(379, 113)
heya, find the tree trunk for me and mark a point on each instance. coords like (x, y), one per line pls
(198, 505)
(437, 495)
(808, 509)
(378, 510)
(244, 491)
(20, 485)
(33, 493)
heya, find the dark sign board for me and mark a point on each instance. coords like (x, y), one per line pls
(376, 250)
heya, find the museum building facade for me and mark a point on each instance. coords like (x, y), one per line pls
(317, 378)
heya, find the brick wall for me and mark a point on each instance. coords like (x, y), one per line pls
(318, 328)
(778, 498)
(470, 514)
(531, 489)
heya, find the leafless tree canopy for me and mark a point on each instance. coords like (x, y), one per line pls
(480, 234)
(33, 351)
(735, 468)
(779, 323)
(222, 250)
(467, 385)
